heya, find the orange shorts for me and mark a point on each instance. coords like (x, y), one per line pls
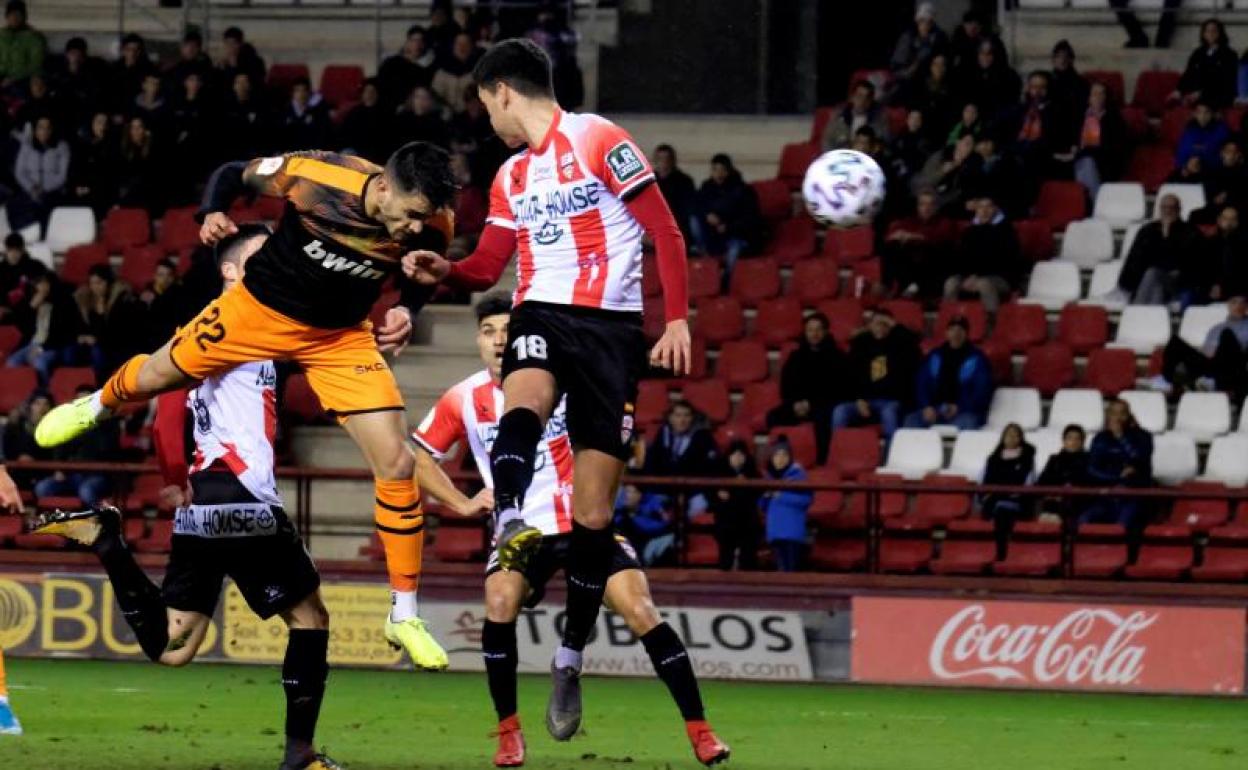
(344, 367)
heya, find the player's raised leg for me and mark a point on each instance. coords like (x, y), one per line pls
(504, 594)
(305, 670)
(8, 720)
(529, 395)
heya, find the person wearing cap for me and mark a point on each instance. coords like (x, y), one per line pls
(1221, 363)
(22, 47)
(785, 509)
(955, 383)
(918, 43)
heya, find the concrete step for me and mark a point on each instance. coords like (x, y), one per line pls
(753, 141)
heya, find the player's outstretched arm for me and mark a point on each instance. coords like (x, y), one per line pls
(432, 479)
(651, 211)
(478, 272)
(264, 176)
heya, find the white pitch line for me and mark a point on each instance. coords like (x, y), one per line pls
(1011, 720)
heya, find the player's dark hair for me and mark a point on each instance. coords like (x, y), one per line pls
(230, 248)
(494, 303)
(518, 62)
(421, 167)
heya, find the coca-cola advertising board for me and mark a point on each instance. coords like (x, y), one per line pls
(1049, 645)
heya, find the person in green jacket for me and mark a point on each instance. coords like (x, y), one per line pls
(22, 48)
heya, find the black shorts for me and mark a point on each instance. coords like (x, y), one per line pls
(596, 356)
(553, 555)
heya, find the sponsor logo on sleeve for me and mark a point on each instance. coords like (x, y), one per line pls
(625, 161)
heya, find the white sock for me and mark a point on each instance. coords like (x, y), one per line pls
(403, 605)
(97, 404)
(505, 516)
(567, 658)
(4, 700)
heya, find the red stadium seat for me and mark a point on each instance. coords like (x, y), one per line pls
(907, 312)
(823, 116)
(1100, 551)
(778, 321)
(300, 402)
(341, 82)
(10, 340)
(1137, 123)
(80, 259)
(1166, 554)
(999, 361)
(839, 553)
(1049, 368)
(456, 543)
(827, 503)
(705, 277)
(373, 550)
(1020, 326)
(66, 380)
(754, 280)
(701, 550)
(652, 402)
(849, 245)
(283, 76)
(775, 200)
(138, 264)
(178, 229)
(759, 399)
(865, 278)
(1153, 89)
(795, 158)
(124, 227)
(719, 319)
(1226, 556)
(159, 538)
(1173, 121)
(730, 432)
(1110, 370)
(937, 509)
(792, 241)
(891, 504)
(1150, 165)
(698, 366)
(906, 547)
(742, 362)
(1035, 550)
(710, 397)
(10, 527)
(1113, 82)
(1060, 203)
(801, 439)
(269, 208)
(144, 493)
(972, 311)
(896, 120)
(814, 280)
(844, 318)
(1083, 327)
(16, 383)
(1035, 239)
(32, 542)
(968, 549)
(1201, 514)
(854, 451)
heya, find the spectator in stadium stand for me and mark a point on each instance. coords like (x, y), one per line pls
(1121, 456)
(1099, 152)
(862, 110)
(22, 47)
(112, 320)
(126, 75)
(454, 72)
(1221, 363)
(246, 130)
(683, 448)
(1226, 185)
(368, 128)
(970, 123)
(1203, 137)
(989, 263)
(1041, 131)
(677, 186)
(810, 384)
(1067, 88)
(193, 133)
(971, 169)
(931, 92)
(78, 79)
(990, 82)
(471, 203)
(441, 30)
(553, 33)
(240, 56)
(41, 170)
(1153, 268)
(165, 305)
(412, 66)
(304, 123)
(1011, 464)
(151, 105)
(917, 44)
(643, 518)
(18, 270)
(96, 446)
(191, 60)
(910, 150)
(93, 166)
(785, 510)
(1067, 468)
(1219, 269)
(880, 375)
(725, 219)
(139, 176)
(19, 442)
(49, 324)
(955, 383)
(737, 530)
(1191, 172)
(917, 248)
(965, 43)
(1212, 70)
(1136, 37)
(421, 120)
(39, 103)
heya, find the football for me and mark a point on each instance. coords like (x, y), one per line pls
(843, 188)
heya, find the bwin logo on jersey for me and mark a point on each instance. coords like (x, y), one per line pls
(548, 234)
(331, 261)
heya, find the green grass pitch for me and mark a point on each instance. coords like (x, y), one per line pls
(125, 716)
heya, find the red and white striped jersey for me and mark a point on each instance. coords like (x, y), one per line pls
(235, 417)
(578, 243)
(471, 410)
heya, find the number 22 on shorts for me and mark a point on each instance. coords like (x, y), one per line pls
(530, 346)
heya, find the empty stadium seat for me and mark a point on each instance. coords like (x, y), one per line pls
(906, 312)
(844, 316)
(779, 321)
(178, 229)
(1153, 89)
(826, 503)
(1113, 81)
(41, 253)
(793, 240)
(1102, 285)
(823, 115)
(1150, 165)
(914, 453)
(1201, 514)
(652, 402)
(1049, 367)
(138, 264)
(70, 226)
(1060, 202)
(1110, 370)
(1149, 409)
(123, 227)
(80, 259)
(801, 440)
(1119, 204)
(10, 340)
(1018, 405)
(1128, 238)
(970, 452)
(853, 451)
(1197, 320)
(1100, 551)
(705, 277)
(1191, 197)
(1053, 284)
(1034, 550)
(710, 397)
(1203, 415)
(159, 538)
(905, 548)
(839, 553)
(341, 83)
(459, 544)
(1081, 406)
(937, 508)
(759, 399)
(1047, 443)
(775, 200)
(974, 313)
(1035, 239)
(719, 319)
(1165, 555)
(1225, 558)
(1137, 123)
(16, 383)
(1083, 327)
(1087, 242)
(814, 280)
(1020, 326)
(795, 158)
(849, 245)
(1173, 121)
(1143, 328)
(754, 280)
(283, 76)
(742, 362)
(968, 549)
(1174, 458)
(66, 380)
(1227, 460)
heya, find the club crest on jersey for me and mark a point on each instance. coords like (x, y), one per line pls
(567, 165)
(548, 234)
(625, 162)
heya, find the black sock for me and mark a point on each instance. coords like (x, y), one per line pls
(138, 597)
(672, 665)
(589, 561)
(515, 451)
(498, 647)
(304, 672)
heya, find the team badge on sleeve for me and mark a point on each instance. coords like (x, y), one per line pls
(269, 166)
(625, 161)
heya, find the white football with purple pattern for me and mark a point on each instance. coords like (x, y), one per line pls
(843, 188)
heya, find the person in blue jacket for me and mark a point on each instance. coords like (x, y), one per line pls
(955, 383)
(1203, 138)
(1121, 456)
(785, 509)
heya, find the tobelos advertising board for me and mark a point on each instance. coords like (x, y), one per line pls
(76, 615)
